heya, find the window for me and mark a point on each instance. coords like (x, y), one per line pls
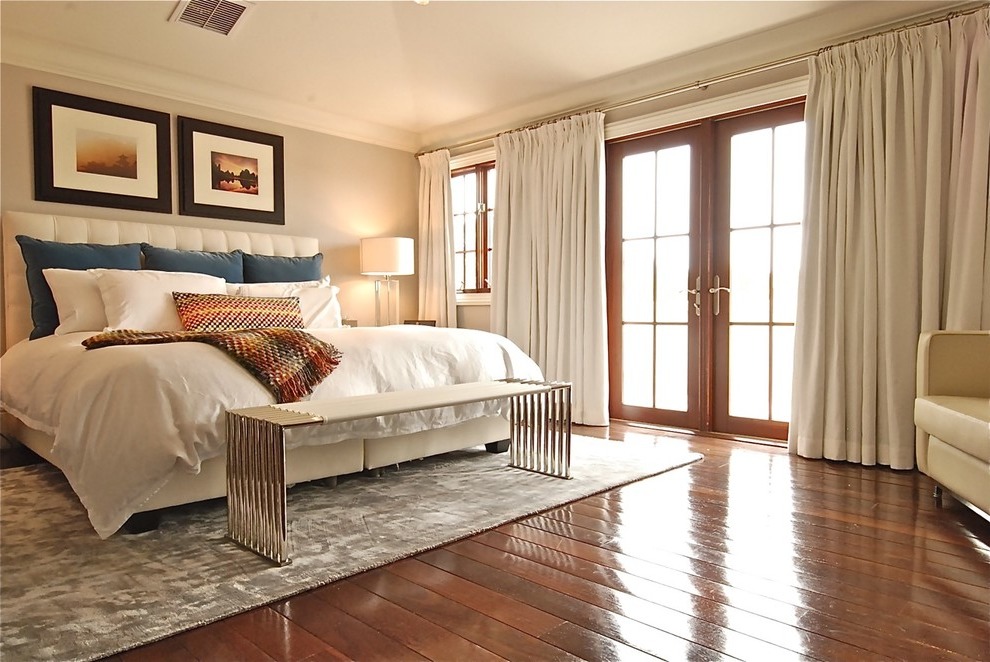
(472, 199)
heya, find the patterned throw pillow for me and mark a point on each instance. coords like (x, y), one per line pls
(222, 312)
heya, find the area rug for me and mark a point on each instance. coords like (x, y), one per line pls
(67, 595)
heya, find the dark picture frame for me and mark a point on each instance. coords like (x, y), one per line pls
(101, 153)
(229, 172)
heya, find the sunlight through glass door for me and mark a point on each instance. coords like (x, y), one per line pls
(702, 255)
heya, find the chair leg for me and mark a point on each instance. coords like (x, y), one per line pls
(937, 495)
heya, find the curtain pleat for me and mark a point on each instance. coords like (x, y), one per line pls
(437, 295)
(548, 290)
(896, 236)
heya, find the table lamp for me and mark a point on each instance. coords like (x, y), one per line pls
(387, 256)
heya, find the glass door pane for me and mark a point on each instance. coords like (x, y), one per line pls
(673, 261)
(637, 360)
(749, 381)
(671, 367)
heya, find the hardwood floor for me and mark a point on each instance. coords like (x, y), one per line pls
(752, 554)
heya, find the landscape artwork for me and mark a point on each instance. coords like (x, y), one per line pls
(95, 152)
(230, 172)
(235, 174)
(106, 154)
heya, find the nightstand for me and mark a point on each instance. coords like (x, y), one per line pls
(421, 322)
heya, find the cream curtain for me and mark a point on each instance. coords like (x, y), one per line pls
(896, 238)
(548, 290)
(437, 294)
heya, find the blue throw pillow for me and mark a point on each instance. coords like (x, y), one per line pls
(229, 266)
(274, 269)
(39, 254)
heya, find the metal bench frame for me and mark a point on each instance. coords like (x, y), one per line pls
(540, 441)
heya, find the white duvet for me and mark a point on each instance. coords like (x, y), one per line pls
(124, 418)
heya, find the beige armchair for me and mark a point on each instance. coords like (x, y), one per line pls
(952, 413)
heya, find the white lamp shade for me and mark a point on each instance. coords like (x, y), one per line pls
(387, 256)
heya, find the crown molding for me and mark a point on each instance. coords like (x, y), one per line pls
(66, 60)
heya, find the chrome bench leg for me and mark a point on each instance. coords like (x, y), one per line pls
(540, 429)
(256, 498)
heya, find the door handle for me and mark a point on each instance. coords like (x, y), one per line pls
(697, 296)
(718, 297)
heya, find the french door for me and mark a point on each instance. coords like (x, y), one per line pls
(703, 235)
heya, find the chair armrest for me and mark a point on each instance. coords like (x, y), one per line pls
(954, 363)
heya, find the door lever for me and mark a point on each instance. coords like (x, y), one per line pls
(697, 296)
(718, 297)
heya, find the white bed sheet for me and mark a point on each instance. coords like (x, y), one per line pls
(124, 418)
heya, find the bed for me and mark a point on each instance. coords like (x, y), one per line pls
(137, 429)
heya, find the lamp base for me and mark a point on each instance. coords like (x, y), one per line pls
(386, 302)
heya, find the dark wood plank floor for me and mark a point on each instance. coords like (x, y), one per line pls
(752, 555)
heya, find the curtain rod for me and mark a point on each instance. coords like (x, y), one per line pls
(723, 78)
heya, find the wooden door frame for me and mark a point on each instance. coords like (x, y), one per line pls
(707, 382)
(614, 153)
(724, 128)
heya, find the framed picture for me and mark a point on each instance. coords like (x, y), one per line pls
(227, 172)
(93, 152)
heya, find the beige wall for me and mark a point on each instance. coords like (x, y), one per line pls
(474, 317)
(337, 190)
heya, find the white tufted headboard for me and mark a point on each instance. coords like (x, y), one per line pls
(69, 229)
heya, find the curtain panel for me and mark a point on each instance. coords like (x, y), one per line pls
(548, 290)
(895, 237)
(437, 294)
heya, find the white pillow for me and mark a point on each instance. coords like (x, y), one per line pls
(320, 308)
(276, 289)
(317, 300)
(77, 298)
(142, 300)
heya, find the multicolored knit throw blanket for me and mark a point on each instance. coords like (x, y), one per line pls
(288, 362)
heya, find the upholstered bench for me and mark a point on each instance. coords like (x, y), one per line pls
(540, 440)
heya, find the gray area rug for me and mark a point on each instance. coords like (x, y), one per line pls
(67, 595)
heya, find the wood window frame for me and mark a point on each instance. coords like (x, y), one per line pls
(482, 247)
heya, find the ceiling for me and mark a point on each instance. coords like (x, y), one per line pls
(408, 76)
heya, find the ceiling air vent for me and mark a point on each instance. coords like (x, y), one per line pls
(214, 15)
